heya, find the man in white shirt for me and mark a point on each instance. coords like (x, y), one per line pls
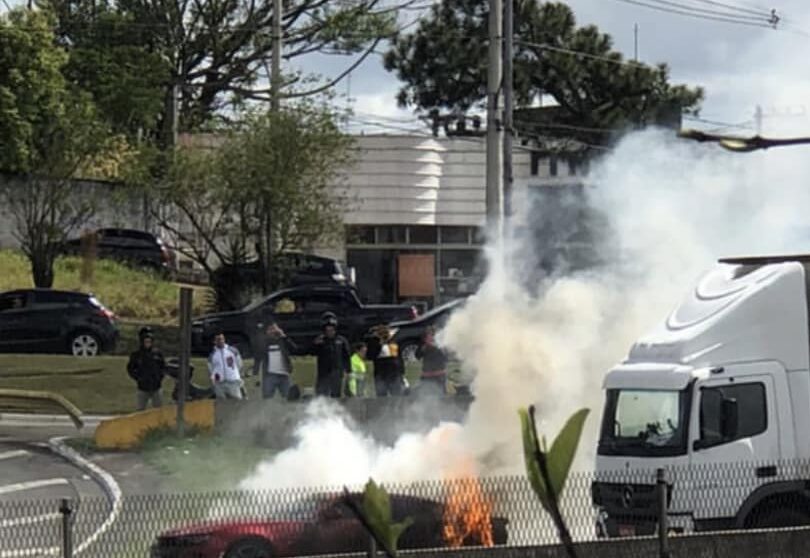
(224, 364)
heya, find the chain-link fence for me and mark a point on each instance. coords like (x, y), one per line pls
(503, 512)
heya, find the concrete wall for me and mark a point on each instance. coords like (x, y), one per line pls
(272, 422)
(791, 543)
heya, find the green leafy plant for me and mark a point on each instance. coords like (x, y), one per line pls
(548, 469)
(374, 513)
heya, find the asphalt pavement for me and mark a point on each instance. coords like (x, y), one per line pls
(33, 482)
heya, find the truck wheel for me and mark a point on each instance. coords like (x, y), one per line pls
(780, 517)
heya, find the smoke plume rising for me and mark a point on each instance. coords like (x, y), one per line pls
(672, 208)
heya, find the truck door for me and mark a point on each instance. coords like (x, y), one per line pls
(734, 443)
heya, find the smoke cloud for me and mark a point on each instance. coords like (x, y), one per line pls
(672, 208)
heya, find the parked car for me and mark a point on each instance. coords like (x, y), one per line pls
(130, 246)
(44, 320)
(320, 524)
(298, 311)
(409, 334)
(236, 284)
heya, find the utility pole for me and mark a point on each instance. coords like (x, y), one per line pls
(278, 44)
(508, 104)
(635, 42)
(494, 196)
(758, 120)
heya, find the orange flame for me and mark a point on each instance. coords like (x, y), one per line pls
(467, 514)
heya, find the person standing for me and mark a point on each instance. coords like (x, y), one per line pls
(434, 365)
(356, 386)
(147, 367)
(224, 365)
(334, 360)
(388, 366)
(275, 364)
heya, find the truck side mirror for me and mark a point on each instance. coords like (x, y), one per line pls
(729, 419)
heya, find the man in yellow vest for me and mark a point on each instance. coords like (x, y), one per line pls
(357, 377)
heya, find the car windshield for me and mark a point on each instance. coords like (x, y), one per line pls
(644, 422)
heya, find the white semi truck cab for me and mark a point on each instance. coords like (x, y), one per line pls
(719, 396)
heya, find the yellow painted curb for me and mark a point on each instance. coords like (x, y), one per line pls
(127, 431)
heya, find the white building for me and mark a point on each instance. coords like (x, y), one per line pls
(425, 196)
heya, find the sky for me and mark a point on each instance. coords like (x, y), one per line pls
(739, 66)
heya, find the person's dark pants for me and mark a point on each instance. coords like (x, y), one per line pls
(433, 385)
(275, 382)
(388, 385)
(329, 386)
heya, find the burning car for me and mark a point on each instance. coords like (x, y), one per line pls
(324, 524)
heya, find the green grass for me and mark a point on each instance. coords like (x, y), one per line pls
(100, 385)
(132, 294)
(201, 461)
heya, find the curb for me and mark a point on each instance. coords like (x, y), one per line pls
(49, 419)
(108, 484)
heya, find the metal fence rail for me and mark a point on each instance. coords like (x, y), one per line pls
(469, 513)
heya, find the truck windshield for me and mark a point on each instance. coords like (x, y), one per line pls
(644, 422)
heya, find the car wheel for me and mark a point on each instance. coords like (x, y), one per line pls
(250, 548)
(409, 353)
(84, 345)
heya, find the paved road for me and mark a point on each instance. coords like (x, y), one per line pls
(33, 480)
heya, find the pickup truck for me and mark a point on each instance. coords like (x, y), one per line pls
(298, 312)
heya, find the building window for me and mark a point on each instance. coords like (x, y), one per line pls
(455, 235)
(572, 167)
(394, 234)
(552, 165)
(359, 234)
(535, 163)
(422, 235)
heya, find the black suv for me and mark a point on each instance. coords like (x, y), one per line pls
(130, 246)
(44, 320)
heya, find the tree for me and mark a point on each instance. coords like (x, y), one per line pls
(49, 131)
(268, 187)
(215, 51)
(443, 65)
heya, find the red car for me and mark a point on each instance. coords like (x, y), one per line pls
(319, 524)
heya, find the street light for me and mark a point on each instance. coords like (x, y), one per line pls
(739, 144)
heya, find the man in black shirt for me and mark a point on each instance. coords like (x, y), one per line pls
(334, 358)
(147, 367)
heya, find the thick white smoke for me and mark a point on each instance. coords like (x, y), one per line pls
(673, 208)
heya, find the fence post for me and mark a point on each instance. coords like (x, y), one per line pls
(663, 523)
(185, 356)
(66, 510)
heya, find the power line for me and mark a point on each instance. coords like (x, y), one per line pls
(729, 19)
(758, 12)
(712, 12)
(613, 60)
